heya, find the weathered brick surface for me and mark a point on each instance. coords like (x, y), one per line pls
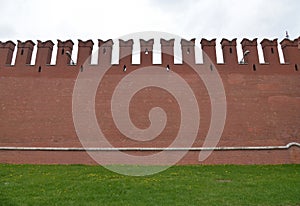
(263, 108)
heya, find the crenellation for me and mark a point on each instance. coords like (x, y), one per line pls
(290, 49)
(250, 57)
(64, 52)
(125, 51)
(105, 51)
(287, 42)
(24, 52)
(6, 52)
(209, 48)
(229, 51)
(146, 51)
(167, 51)
(8, 44)
(85, 49)
(188, 51)
(47, 43)
(44, 53)
(270, 51)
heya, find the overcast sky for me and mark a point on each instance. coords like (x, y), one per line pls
(88, 19)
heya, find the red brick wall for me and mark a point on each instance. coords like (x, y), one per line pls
(263, 106)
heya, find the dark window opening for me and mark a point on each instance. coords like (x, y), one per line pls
(188, 51)
(296, 67)
(211, 67)
(168, 68)
(22, 51)
(254, 67)
(272, 50)
(40, 69)
(81, 68)
(62, 51)
(230, 50)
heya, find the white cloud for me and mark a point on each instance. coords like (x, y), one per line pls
(96, 19)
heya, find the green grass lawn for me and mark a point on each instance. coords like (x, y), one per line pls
(179, 185)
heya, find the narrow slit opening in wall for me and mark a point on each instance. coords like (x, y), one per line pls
(55, 52)
(188, 51)
(219, 54)
(178, 52)
(62, 51)
(136, 53)
(74, 53)
(40, 69)
(272, 50)
(296, 67)
(22, 51)
(115, 53)
(254, 67)
(95, 52)
(14, 56)
(33, 56)
(280, 53)
(198, 52)
(156, 53)
(260, 53)
(230, 50)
